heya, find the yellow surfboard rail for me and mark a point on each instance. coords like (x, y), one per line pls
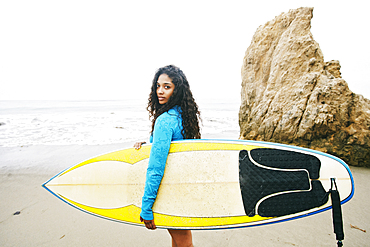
(131, 214)
(128, 156)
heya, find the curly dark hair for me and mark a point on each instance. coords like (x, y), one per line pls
(181, 97)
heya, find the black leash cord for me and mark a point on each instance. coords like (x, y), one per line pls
(337, 213)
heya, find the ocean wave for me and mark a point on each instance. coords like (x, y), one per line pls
(92, 123)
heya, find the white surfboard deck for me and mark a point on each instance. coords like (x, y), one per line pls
(200, 188)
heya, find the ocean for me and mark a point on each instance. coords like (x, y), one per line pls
(25, 123)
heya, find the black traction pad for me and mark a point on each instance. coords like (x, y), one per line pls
(281, 182)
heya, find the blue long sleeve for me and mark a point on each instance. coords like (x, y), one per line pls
(167, 128)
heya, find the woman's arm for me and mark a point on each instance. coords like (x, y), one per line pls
(162, 137)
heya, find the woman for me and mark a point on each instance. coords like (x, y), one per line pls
(175, 116)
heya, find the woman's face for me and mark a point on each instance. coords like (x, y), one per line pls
(165, 88)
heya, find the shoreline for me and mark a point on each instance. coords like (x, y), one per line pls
(44, 220)
(47, 159)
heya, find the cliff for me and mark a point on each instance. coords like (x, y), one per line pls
(290, 95)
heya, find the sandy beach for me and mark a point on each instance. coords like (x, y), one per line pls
(31, 216)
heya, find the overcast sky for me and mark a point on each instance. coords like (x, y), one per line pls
(85, 49)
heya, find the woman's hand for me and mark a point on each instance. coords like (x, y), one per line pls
(137, 145)
(149, 224)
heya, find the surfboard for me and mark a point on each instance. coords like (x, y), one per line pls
(208, 184)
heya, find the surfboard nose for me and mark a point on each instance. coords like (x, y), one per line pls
(103, 184)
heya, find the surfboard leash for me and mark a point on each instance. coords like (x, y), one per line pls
(336, 212)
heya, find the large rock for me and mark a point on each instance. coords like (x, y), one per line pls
(290, 95)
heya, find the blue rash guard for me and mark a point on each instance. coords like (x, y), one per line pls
(167, 128)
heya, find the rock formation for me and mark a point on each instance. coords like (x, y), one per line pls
(290, 95)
